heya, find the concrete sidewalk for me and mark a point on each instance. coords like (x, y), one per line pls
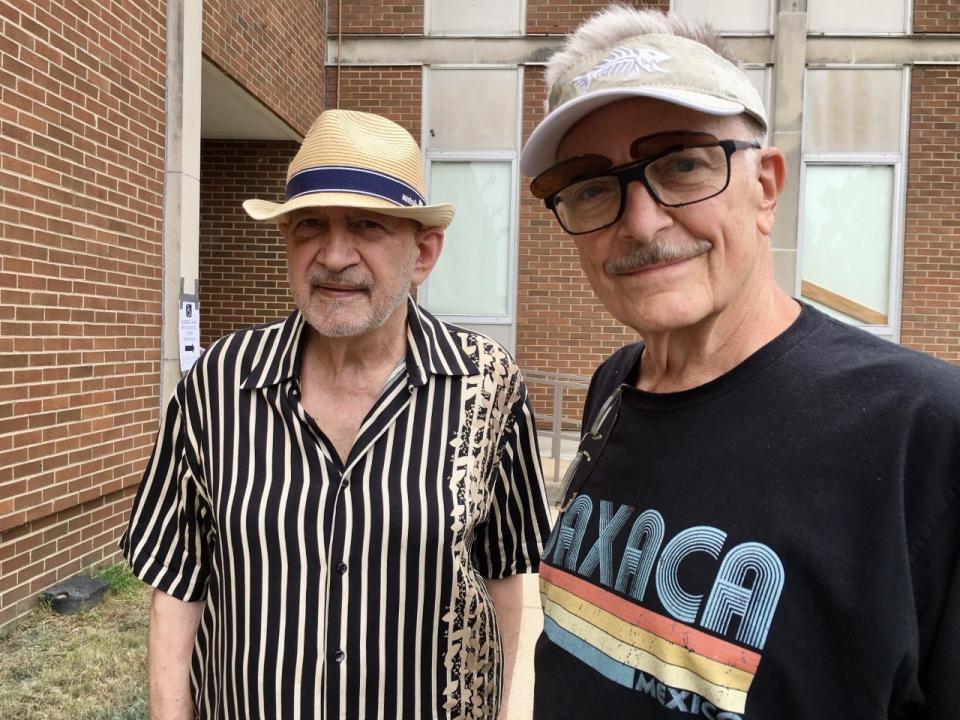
(521, 691)
(520, 706)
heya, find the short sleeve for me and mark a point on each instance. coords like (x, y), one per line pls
(510, 541)
(167, 539)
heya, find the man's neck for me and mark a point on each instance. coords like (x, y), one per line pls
(358, 361)
(341, 378)
(688, 357)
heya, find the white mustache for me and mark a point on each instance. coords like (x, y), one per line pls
(646, 254)
(345, 279)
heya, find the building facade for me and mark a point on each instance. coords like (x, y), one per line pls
(101, 121)
(129, 138)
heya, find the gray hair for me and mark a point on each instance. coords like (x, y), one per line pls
(619, 22)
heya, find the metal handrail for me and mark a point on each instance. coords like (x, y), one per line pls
(560, 383)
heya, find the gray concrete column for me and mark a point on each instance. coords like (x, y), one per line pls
(790, 51)
(181, 197)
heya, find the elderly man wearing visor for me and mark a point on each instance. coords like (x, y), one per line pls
(763, 520)
(339, 503)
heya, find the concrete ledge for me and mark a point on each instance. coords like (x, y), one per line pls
(363, 50)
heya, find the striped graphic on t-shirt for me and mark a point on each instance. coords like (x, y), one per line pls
(618, 638)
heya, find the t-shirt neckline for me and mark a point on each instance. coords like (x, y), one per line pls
(799, 330)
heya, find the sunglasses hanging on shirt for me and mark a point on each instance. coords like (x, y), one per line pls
(591, 446)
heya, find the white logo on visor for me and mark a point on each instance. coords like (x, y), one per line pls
(626, 63)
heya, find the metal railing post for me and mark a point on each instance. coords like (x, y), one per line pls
(557, 427)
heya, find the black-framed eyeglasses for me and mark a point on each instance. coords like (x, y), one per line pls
(677, 168)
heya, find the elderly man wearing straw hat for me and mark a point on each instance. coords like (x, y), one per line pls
(764, 521)
(339, 504)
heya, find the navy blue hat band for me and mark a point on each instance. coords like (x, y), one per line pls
(353, 180)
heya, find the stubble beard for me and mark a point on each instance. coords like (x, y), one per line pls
(326, 316)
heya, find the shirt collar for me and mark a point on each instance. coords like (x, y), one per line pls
(433, 348)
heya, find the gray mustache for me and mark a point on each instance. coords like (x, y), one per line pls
(345, 279)
(646, 254)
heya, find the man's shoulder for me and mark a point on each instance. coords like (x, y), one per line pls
(847, 351)
(485, 352)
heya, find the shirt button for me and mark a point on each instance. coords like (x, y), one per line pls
(339, 656)
(341, 568)
(345, 483)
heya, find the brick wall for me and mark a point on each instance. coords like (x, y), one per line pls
(380, 17)
(81, 160)
(936, 16)
(561, 327)
(931, 273)
(393, 92)
(274, 49)
(563, 16)
(243, 270)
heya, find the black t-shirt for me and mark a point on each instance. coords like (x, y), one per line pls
(778, 544)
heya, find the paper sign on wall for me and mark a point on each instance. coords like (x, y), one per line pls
(190, 348)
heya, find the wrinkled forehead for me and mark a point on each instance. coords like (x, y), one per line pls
(612, 129)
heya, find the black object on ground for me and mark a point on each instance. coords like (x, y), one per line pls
(78, 594)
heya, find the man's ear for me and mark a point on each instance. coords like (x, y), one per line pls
(429, 244)
(771, 176)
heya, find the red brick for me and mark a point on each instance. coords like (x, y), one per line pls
(931, 256)
(275, 50)
(936, 16)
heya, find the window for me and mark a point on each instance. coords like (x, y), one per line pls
(473, 273)
(858, 17)
(472, 109)
(851, 218)
(474, 17)
(731, 16)
(471, 137)
(847, 236)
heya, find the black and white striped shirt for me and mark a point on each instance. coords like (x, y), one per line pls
(343, 590)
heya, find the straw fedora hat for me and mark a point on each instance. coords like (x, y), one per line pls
(356, 160)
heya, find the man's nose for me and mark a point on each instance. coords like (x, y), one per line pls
(642, 216)
(338, 250)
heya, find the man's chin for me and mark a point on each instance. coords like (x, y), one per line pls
(661, 312)
(332, 328)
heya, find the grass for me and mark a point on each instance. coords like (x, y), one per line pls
(89, 666)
